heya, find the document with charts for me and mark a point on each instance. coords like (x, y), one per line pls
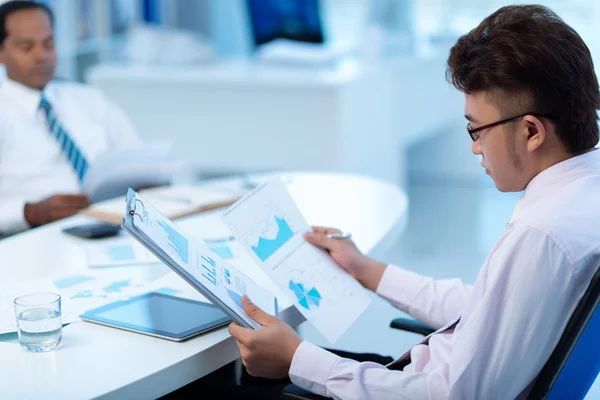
(217, 280)
(269, 226)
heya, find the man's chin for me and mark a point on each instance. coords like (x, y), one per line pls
(40, 80)
(507, 188)
(38, 84)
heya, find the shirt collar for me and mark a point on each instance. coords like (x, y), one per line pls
(553, 179)
(23, 96)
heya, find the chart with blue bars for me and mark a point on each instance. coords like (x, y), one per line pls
(308, 299)
(177, 242)
(265, 248)
(209, 268)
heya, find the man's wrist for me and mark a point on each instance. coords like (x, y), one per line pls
(293, 349)
(371, 274)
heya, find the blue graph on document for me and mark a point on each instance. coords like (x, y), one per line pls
(266, 247)
(209, 272)
(307, 299)
(177, 241)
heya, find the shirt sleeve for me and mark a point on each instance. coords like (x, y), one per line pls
(433, 302)
(509, 332)
(327, 374)
(12, 216)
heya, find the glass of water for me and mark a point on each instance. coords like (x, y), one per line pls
(39, 321)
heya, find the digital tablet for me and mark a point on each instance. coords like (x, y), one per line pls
(159, 315)
(220, 282)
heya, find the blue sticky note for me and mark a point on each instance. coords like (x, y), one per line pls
(71, 281)
(117, 286)
(223, 251)
(82, 295)
(121, 252)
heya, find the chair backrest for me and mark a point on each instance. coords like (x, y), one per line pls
(575, 362)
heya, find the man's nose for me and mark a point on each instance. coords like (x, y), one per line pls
(40, 54)
(476, 147)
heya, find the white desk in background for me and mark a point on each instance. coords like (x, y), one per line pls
(355, 117)
(101, 362)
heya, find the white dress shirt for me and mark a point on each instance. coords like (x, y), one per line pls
(511, 319)
(32, 163)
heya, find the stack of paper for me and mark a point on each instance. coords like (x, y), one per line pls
(173, 201)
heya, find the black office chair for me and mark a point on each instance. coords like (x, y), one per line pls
(569, 372)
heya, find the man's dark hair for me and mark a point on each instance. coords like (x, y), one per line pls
(527, 59)
(13, 6)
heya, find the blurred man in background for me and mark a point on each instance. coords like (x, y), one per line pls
(50, 131)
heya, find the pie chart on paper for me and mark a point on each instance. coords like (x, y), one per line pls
(308, 299)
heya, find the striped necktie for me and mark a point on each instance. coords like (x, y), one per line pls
(67, 145)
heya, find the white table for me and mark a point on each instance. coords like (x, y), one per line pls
(100, 362)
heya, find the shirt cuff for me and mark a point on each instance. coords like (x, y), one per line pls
(311, 367)
(400, 286)
(12, 217)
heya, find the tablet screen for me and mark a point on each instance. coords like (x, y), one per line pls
(160, 314)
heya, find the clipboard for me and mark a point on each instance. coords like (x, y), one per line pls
(141, 216)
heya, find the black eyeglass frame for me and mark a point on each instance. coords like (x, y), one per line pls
(474, 132)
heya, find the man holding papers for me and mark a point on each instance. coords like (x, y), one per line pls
(50, 132)
(531, 99)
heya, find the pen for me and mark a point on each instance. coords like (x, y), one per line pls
(343, 235)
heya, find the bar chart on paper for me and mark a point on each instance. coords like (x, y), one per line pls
(209, 269)
(177, 242)
(270, 228)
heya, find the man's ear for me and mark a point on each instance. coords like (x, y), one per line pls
(535, 132)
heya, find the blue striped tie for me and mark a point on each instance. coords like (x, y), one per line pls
(68, 146)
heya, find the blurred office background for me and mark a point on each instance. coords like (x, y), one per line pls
(362, 91)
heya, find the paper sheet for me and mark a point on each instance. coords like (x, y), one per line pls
(119, 251)
(269, 226)
(113, 172)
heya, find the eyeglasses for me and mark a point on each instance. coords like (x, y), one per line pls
(474, 132)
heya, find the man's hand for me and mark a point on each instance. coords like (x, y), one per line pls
(54, 208)
(345, 253)
(266, 352)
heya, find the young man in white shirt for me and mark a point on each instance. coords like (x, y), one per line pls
(49, 131)
(531, 98)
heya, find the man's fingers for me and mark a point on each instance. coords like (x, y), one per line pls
(244, 352)
(256, 313)
(321, 240)
(325, 230)
(241, 334)
(73, 200)
(62, 213)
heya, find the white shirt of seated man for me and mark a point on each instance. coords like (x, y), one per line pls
(494, 336)
(38, 184)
